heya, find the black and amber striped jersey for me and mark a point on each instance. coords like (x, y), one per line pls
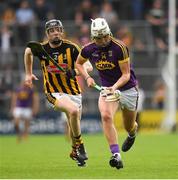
(55, 80)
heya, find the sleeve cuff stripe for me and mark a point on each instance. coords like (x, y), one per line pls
(124, 60)
(82, 57)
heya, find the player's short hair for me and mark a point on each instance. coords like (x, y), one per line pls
(53, 23)
(99, 28)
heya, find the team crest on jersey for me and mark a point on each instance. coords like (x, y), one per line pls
(104, 65)
(103, 55)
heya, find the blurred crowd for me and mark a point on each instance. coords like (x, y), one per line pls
(18, 16)
(27, 13)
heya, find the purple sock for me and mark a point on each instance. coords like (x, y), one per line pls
(114, 148)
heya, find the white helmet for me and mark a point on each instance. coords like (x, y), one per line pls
(99, 28)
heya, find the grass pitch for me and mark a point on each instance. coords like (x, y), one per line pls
(154, 156)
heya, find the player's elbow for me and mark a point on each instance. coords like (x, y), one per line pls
(77, 66)
(88, 66)
(127, 77)
(89, 69)
(28, 51)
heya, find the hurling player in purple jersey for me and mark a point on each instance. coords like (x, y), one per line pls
(24, 105)
(111, 59)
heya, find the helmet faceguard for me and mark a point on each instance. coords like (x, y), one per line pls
(53, 23)
(99, 28)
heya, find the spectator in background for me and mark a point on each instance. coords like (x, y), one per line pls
(84, 34)
(8, 16)
(5, 93)
(156, 18)
(8, 76)
(14, 3)
(43, 12)
(177, 25)
(109, 14)
(81, 37)
(137, 7)
(2, 6)
(25, 104)
(7, 37)
(124, 34)
(123, 9)
(5, 44)
(84, 12)
(24, 16)
(159, 95)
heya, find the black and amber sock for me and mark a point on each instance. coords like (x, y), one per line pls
(73, 147)
(78, 139)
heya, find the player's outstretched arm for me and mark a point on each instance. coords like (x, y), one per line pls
(28, 61)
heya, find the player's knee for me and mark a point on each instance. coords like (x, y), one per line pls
(106, 117)
(74, 112)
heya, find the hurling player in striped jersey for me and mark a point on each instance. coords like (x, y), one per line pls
(61, 89)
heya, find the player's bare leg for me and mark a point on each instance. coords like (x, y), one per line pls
(107, 110)
(108, 124)
(64, 118)
(78, 147)
(73, 113)
(26, 130)
(67, 132)
(130, 125)
(77, 140)
(17, 129)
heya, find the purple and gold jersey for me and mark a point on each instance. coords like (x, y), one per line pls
(107, 60)
(24, 97)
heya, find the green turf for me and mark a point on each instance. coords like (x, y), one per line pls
(46, 156)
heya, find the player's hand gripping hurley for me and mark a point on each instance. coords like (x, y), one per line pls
(108, 94)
